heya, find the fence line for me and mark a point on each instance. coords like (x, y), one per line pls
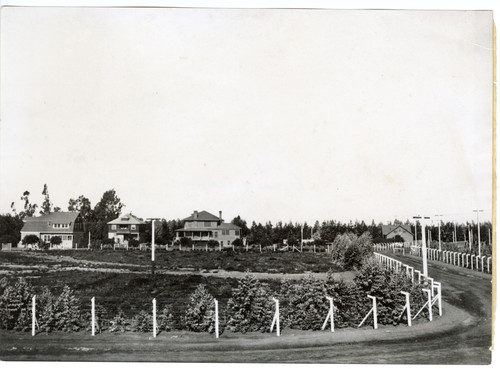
(461, 259)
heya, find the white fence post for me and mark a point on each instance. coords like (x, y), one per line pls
(216, 318)
(482, 263)
(276, 319)
(419, 275)
(407, 308)
(437, 285)
(92, 304)
(488, 261)
(471, 261)
(154, 317)
(429, 302)
(477, 262)
(33, 314)
(372, 310)
(329, 316)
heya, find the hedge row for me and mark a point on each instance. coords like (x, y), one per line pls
(303, 305)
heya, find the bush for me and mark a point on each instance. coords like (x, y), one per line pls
(142, 322)
(119, 323)
(15, 306)
(55, 240)
(304, 305)
(165, 320)
(67, 311)
(250, 307)
(351, 251)
(200, 313)
(45, 310)
(133, 242)
(30, 239)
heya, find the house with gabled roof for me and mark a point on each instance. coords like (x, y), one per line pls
(202, 227)
(402, 230)
(66, 224)
(126, 227)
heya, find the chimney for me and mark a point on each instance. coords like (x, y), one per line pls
(220, 215)
(195, 214)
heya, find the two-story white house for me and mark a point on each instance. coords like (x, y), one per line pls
(67, 225)
(202, 227)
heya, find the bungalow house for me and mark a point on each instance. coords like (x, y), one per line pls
(67, 225)
(126, 227)
(202, 227)
(402, 230)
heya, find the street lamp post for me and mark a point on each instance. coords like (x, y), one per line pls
(439, 230)
(153, 245)
(477, 211)
(424, 246)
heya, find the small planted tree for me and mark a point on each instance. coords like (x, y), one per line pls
(67, 311)
(55, 240)
(250, 307)
(15, 306)
(31, 240)
(165, 321)
(200, 313)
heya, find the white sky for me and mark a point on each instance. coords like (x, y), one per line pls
(268, 114)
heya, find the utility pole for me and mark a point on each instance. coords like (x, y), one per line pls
(478, 230)
(153, 244)
(439, 230)
(424, 246)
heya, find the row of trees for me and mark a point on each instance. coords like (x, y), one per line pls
(109, 207)
(303, 305)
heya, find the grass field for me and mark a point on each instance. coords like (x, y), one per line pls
(289, 262)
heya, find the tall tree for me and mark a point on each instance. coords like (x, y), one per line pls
(83, 206)
(47, 205)
(29, 208)
(238, 221)
(109, 207)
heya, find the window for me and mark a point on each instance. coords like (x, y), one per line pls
(132, 227)
(208, 224)
(216, 234)
(225, 232)
(113, 227)
(237, 233)
(228, 242)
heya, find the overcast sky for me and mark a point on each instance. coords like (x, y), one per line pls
(268, 114)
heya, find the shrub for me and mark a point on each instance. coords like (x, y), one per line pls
(119, 323)
(351, 251)
(67, 311)
(200, 313)
(108, 241)
(55, 240)
(250, 307)
(133, 242)
(30, 239)
(142, 322)
(306, 305)
(15, 306)
(165, 320)
(345, 301)
(45, 310)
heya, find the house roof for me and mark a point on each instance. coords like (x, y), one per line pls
(44, 223)
(202, 229)
(127, 219)
(201, 216)
(386, 229)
